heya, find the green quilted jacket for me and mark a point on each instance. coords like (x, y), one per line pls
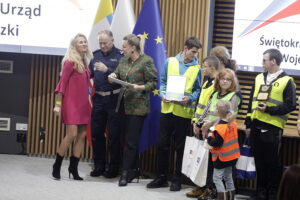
(140, 72)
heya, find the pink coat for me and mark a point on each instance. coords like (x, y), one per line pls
(74, 87)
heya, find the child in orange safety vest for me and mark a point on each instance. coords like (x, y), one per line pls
(225, 151)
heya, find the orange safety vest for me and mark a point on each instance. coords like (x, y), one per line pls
(230, 150)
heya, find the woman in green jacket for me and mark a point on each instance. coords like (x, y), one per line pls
(137, 69)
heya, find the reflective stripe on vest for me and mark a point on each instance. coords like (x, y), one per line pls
(230, 149)
(203, 100)
(185, 111)
(275, 102)
(275, 99)
(214, 100)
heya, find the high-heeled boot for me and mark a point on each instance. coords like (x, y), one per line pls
(73, 168)
(124, 178)
(57, 166)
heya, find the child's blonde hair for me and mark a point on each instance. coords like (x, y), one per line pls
(223, 108)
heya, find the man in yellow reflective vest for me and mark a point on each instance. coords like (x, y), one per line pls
(271, 101)
(176, 115)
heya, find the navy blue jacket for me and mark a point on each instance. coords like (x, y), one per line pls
(111, 60)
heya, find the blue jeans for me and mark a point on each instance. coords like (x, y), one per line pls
(226, 174)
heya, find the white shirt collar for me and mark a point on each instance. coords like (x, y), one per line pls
(272, 77)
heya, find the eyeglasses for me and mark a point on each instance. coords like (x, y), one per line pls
(226, 79)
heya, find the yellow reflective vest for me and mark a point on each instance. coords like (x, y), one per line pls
(275, 98)
(185, 111)
(203, 100)
(212, 115)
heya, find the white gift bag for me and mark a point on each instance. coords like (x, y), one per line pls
(190, 149)
(199, 165)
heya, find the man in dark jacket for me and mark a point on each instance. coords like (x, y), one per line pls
(105, 61)
(272, 98)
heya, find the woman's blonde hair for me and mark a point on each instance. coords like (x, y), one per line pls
(136, 40)
(224, 56)
(73, 55)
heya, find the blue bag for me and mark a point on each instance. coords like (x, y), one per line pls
(245, 166)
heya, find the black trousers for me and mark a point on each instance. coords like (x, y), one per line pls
(133, 125)
(266, 147)
(210, 171)
(103, 114)
(180, 127)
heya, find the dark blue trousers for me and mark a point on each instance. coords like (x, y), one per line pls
(104, 114)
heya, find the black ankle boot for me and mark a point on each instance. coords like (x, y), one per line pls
(97, 171)
(73, 168)
(133, 174)
(57, 166)
(124, 178)
(111, 172)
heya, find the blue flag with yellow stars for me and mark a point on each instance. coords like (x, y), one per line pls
(149, 25)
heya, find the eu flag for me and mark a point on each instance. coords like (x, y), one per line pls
(149, 25)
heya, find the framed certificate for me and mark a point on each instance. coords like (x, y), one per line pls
(175, 87)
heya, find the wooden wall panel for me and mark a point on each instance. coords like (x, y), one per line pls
(223, 23)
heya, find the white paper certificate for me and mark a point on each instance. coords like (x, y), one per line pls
(118, 81)
(175, 87)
